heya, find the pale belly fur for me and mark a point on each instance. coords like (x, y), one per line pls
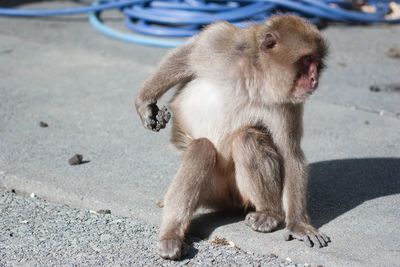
(214, 111)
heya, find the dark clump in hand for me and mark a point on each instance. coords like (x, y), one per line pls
(76, 160)
(157, 118)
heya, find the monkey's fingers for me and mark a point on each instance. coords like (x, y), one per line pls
(316, 241)
(288, 236)
(301, 237)
(326, 238)
(319, 238)
(148, 114)
(166, 113)
(313, 238)
(152, 124)
(163, 116)
(149, 123)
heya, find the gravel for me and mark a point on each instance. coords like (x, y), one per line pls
(34, 232)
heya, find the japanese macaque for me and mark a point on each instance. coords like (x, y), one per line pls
(237, 118)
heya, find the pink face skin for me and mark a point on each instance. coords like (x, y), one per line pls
(308, 77)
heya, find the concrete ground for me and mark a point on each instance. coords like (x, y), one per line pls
(82, 84)
(37, 233)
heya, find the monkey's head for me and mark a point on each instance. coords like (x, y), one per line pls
(292, 51)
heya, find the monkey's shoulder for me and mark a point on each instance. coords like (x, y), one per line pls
(216, 43)
(217, 32)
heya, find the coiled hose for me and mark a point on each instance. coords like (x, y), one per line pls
(166, 23)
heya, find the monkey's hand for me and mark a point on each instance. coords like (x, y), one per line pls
(152, 117)
(308, 234)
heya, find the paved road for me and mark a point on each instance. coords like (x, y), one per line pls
(82, 84)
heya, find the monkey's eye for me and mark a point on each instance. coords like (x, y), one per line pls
(307, 60)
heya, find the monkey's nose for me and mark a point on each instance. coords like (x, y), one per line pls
(313, 82)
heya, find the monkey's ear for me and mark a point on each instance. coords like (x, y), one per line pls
(268, 42)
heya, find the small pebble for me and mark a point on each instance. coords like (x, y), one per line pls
(160, 204)
(374, 88)
(219, 241)
(231, 244)
(75, 160)
(289, 259)
(104, 211)
(387, 88)
(366, 122)
(33, 195)
(13, 191)
(43, 124)
(393, 52)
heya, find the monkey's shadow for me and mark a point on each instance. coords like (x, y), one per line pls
(335, 187)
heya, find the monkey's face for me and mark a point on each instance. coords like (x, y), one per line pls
(293, 51)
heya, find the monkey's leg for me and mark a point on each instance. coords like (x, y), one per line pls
(182, 198)
(258, 178)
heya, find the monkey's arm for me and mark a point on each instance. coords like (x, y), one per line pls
(174, 69)
(295, 187)
(296, 182)
(295, 194)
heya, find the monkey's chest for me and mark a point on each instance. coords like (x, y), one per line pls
(205, 109)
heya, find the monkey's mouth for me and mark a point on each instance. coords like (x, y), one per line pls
(307, 79)
(302, 93)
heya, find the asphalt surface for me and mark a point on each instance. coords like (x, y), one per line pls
(82, 84)
(36, 233)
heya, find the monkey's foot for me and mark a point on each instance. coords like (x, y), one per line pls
(308, 234)
(262, 221)
(170, 248)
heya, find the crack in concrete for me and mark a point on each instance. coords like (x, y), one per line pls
(382, 113)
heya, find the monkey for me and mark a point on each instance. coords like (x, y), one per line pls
(237, 120)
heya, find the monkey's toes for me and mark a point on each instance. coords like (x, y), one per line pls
(261, 222)
(170, 248)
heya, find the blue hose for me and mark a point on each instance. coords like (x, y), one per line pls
(166, 23)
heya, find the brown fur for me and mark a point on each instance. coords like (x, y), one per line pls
(239, 126)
